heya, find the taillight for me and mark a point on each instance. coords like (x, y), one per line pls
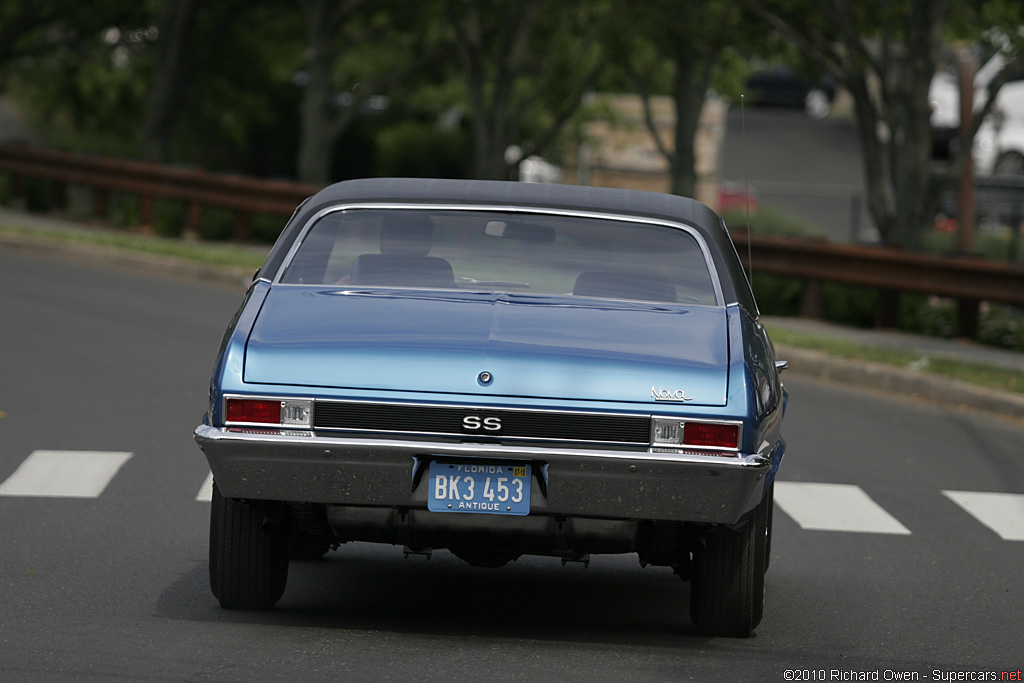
(252, 410)
(668, 431)
(711, 435)
(290, 412)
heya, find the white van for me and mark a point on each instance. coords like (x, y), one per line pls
(999, 143)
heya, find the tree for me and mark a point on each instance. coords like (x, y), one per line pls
(526, 66)
(175, 61)
(63, 65)
(346, 68)
(41, 27)
(675, 47)
(886, 54)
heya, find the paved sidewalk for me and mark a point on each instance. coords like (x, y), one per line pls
(817, 364)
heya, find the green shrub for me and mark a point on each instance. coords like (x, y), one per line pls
(1002, 326)
(169, 217)
(994, 244)
(928, 315)
(266, 228)
(217, 224)
(768, 221)
(849, 304)
(777, 295)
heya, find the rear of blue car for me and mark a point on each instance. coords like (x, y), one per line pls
(496, 378)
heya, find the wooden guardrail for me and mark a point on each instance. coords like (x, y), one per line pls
(892, 271)
(196, 188)
(968, 279)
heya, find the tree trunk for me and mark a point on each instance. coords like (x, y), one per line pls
(317, 142)
(168, 84)
(692, 78)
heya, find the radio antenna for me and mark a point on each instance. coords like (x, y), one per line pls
(746, 189)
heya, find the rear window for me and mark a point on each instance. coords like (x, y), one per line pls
(494, 251)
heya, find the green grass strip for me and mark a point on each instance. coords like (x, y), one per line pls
(200, 252)
(991, 376)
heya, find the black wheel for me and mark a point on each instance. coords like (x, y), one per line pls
(248, 552)
(727, 587)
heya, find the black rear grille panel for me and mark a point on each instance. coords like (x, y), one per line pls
(515, 424)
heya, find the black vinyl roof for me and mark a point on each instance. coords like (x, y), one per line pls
(511, 194)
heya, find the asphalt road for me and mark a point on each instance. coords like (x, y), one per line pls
(809, 169)
(112, 585)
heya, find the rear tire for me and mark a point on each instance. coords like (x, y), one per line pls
(248, 552)
(727, 588)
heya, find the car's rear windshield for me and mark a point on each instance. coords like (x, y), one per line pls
(497, 251)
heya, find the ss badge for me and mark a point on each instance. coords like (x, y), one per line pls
(475, 423)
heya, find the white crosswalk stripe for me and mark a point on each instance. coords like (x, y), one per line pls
(64, 474)
(1003, 513)
(813, 506)
(206, 490)
(835, 507)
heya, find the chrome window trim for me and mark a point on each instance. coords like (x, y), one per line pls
(689, 229)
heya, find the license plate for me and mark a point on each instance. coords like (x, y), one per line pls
(483, 489)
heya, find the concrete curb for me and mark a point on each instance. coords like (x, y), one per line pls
(889, 379)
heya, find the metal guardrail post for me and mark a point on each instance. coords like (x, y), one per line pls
(193, 217)
(887, 312)
(812, 299)
(100, 202)
(968, 315)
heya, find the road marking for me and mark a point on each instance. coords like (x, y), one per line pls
(64, 474)
(206, 490)
(835, 507)
(1003, 513)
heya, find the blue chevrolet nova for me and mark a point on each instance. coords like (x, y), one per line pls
(498, 369)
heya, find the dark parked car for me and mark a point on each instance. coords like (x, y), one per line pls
(781, 86)
(498, 369)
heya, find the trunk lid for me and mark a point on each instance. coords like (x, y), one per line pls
(533, 347)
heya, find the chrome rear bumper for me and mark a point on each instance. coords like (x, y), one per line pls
(384, 473)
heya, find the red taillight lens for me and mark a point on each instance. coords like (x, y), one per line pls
(711, 435)
(260, 411)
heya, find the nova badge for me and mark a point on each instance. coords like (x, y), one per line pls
(660, 394)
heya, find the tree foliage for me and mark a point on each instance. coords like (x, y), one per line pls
(885, 55)
(313, 89)
(678, 49)
(526, 67)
